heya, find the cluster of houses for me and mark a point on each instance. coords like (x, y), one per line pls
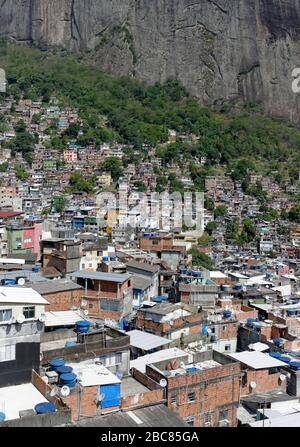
(105, 317)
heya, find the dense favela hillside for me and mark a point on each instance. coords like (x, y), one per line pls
(130, 112)
(215, 50)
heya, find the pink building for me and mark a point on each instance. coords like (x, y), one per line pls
(31, 238)
(70, 156)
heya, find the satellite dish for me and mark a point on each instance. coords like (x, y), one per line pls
(163, 383)
(41, 356)
(54, 391)
(86, 312)
(65, 391)
(21, 281)
(45, 379)
(282, 377)
(253, 384)
(84, 303)
(119, 375)
(20, 319)
(42, 318)
(101, 397)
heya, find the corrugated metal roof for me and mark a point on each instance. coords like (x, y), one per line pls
(54, 286)
(101, 276)
(257, 360)
(152, 416)
(20, 295)
(142, 266)
(146, 341)
(166, 354)
(63, 318)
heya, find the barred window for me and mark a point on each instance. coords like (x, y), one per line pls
(110, 305)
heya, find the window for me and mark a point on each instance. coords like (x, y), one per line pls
(154, 242)
(110, 305)
(111, 359)
(5, 315)
(223, 414)
(191, 397)
(207, 418)
(227, 347)
(190, 421)
(224, 328)
(7, 353)
(29, 312)
(174, 399)
(91, 306)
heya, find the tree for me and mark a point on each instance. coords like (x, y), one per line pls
(114, 166)
(21, 173)
(294, 213)
(249, 230)
(59, 203)
(209, 204)
(73, 130)
(220, 211)
(232, 230)
(200, 259)
(36, 118)
(3, 167)
(78, 183)
(210, 227)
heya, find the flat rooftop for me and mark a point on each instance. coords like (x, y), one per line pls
(192, 368)
(152, 416)
(145, 341)
(166, 354)
(14, 399)
(101, 276)
(257, 360)
(130, 387)
(93, 374)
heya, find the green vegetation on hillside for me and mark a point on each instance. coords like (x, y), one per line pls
(129, 111)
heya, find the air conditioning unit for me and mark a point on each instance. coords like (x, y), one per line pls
(224, 423)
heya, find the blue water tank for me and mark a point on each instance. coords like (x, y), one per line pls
(284, 359)
(8, 282)
(292, 312)
(278, 341)
(2, 417)
(256, 325)
(238, 286)
(106, 259)
(250, 321)
(82, 326)
(192, 370)
(295, 365)
(56, 363)
(275, 355)
(157, 299)
(113, 258)
(45, 407)
(227, 313)
(147, 234)
(35, 268)
(64, 370)
(69, 344)
(68, 379)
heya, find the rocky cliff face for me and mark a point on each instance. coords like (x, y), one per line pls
(218, 49)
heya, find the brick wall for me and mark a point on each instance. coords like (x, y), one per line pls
(215, 390)
(88, 406)
(61, 301)
(142, 399)
(264, 382)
